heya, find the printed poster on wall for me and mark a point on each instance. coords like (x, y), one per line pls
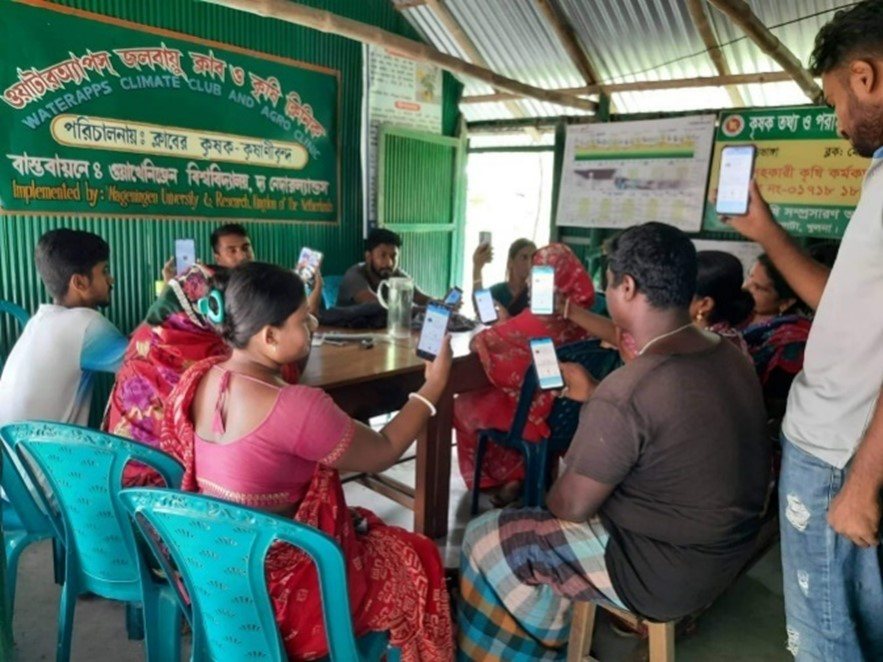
(620, 174)
(811, 176)
(400, 92)
(102, 116)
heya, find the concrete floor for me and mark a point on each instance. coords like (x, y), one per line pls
(746, 623)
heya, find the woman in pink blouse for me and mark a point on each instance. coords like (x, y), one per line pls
(245, 435)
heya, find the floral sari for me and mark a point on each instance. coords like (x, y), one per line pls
(173, 337)
(395, 578)
(776, 347)
(504, 351)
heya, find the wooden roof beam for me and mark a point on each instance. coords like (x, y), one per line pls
(740, 13)
(703, 26)
(647, 85)
(464, 41)
(567, 35)
(324, 21)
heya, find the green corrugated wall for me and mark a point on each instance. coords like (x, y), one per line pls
(419, 185)
(139, 246)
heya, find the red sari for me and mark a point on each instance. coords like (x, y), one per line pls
(395, 578)
(505, 354)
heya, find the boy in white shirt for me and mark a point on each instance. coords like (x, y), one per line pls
(49, 373)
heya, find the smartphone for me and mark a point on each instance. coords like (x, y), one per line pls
(308, 263)
(737, 168)
(435, 325)
(546, 363)
(484, 306)
(542, 290)
(453, 297)
(484, 238)
(185, 255)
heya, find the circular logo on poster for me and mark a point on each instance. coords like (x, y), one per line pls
(733, 125)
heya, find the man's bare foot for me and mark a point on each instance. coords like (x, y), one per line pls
(507, 494)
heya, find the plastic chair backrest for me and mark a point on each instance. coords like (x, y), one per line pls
(21, 494)
(83, 469)
(529, 385)
(19, 313)
(600, 362)
(219, 550)
(330, 290)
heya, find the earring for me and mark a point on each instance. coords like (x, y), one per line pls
(700, 316)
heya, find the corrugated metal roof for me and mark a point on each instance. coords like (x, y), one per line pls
(626, 41)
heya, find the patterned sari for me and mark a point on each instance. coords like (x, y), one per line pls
(173, 337)
(777, 346)
(395, 578)
(504, 351)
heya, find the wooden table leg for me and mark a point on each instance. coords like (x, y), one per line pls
(431, 501)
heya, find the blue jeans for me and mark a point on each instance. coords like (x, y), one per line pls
(833, 588)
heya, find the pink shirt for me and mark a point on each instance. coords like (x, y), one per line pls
(272, 465)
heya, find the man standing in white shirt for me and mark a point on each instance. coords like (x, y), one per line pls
(49, 372)
(832, 435)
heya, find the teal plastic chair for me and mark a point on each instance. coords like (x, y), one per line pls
(330, 290)
(24, 523)
(218, 549)
(19, 313)
(83, 470)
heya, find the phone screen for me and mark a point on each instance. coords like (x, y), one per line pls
(737, 167)
(546, 363)
(484, 238)
(185, 255)
(542, 290)
(484, 306)
(435, 325)
(452, 298)
(308, 263)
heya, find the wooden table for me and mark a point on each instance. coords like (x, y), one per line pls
(370, 382)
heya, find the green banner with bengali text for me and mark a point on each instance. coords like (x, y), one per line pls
(100, 116)
(810, 176)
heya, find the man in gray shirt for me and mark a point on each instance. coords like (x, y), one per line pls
(360, 282)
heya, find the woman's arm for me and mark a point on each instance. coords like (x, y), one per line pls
(599, 326)
(372, 451)
(314, 301)
(482, 255)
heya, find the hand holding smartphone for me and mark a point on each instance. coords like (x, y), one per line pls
(308, 263)
(185, 255)
(734, 182)
(432, 333)
(545, 361)
(542, 290)
(453, 297)
(485, 307)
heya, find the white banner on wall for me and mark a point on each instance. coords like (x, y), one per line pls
(619, 174)
(400, 92)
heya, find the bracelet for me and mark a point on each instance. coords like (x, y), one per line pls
(425, 401)
(476, 281)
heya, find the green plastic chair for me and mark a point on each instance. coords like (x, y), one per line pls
(77, 473)
(218, 550)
